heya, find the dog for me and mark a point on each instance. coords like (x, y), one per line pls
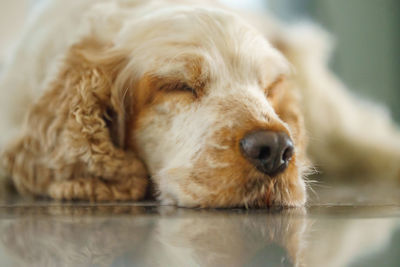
(212, 107)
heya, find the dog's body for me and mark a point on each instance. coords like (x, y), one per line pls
(99, 95)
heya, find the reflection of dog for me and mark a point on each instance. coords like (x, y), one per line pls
(77, 236)
(184, 92)
(82, 236)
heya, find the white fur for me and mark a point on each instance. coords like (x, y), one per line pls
(339, 125)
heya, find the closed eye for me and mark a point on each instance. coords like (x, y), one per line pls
(187, 88)
(179, 87)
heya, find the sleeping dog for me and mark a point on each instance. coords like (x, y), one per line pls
(212, 106)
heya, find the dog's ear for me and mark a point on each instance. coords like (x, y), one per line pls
(73, 144)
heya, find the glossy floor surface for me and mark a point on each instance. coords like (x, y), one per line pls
(343, 226)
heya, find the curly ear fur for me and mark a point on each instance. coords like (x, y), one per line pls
(72, 145)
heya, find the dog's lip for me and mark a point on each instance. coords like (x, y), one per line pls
(266, 198)
(268, 194)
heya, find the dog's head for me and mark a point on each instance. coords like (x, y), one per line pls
(201, 98)
(205, 118)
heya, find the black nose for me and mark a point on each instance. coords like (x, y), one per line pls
(270, 152)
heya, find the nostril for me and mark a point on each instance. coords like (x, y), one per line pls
(265, 153)
(288, 153)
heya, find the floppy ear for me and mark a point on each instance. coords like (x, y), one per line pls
(72, 145)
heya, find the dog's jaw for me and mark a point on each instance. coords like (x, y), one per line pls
(266, 196)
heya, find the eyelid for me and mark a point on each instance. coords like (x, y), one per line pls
(178, 86)
(186, 87)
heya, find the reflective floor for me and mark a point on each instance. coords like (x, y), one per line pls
(343, 226)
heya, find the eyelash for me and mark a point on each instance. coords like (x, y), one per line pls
(187, 88)
(182, 87)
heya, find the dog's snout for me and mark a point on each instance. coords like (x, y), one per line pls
(270, 152)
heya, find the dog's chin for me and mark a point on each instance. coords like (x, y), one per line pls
(258, 191)
(275, 192)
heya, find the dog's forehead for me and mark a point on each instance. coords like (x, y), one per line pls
(210, 42)
(225, 47)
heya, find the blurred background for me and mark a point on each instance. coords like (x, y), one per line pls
(367, 41)
(366, 34)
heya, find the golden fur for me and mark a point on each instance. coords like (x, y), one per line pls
(164, 92)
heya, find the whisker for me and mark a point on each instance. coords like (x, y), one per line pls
(246, 204)
(313, 191)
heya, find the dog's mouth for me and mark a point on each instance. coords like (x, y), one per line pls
(257, 191)
(283, 190)
(260, 193)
